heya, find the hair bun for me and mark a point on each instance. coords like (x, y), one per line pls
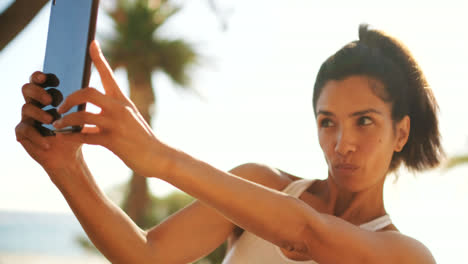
(363, 29)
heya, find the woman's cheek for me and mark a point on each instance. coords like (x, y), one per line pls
(326, 142)
(375, 145)
(370, 143)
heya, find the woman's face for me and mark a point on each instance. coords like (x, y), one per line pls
(356, 132)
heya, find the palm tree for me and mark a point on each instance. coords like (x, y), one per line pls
(137, 48)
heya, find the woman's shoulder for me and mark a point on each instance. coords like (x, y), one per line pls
(409, 247)
(265, 175)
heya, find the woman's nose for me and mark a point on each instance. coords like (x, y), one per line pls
(345, 143)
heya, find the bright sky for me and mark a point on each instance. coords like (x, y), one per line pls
(256, 80)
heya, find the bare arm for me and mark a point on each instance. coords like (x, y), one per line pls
(108, 227)
(289, 222)
(196, 230)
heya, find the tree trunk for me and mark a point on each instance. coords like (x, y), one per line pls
(16, 17)
(142, 94)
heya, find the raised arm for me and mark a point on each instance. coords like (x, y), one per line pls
(289, 222)
(283, 220)
(195, 230)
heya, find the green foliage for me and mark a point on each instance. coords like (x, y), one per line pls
(161, 208)
(86, 244)
(456, 161)
(137, 45)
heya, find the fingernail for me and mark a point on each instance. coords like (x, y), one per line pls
(56, 123)
(39, 78)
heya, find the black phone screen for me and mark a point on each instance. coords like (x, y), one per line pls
(71, 29)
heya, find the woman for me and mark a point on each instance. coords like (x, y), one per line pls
(374, 111)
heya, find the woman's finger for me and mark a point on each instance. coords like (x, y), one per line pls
(82, 96)
(92, 136)
(34, 93)
(26, 133)
(81, 118)
(30, 111)
(105, 72)
(38, 77)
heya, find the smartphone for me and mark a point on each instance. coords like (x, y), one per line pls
(72, 27)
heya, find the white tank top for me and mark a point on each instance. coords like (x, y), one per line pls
(251, 249)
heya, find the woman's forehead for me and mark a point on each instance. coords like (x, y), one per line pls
(352, 94)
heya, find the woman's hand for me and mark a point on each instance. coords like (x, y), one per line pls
(119, 126)
(51, 153)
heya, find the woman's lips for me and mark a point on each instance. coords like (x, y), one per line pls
(345, 167)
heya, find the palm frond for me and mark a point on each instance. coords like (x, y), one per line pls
(175, 59)
(456, 161)
(136, 43)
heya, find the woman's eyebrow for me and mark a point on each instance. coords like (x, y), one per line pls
(358, 113)
(323, 112)
(366, 111)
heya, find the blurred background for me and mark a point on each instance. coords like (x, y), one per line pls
(233, 84)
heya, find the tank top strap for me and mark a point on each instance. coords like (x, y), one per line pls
(377, 223)
(296, 188)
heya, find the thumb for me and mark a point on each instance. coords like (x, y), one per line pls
(105, 72)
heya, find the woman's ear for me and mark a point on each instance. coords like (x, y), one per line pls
(402, 133)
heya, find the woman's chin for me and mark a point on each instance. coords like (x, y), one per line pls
(351, 182)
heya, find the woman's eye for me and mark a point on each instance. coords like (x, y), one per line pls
(326, 123)
(364, 121)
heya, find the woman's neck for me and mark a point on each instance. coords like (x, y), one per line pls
(354, 207)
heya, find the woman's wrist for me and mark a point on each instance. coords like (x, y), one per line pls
(160, 160)
(68, 171)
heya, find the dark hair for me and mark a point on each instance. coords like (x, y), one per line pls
(386, 59)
